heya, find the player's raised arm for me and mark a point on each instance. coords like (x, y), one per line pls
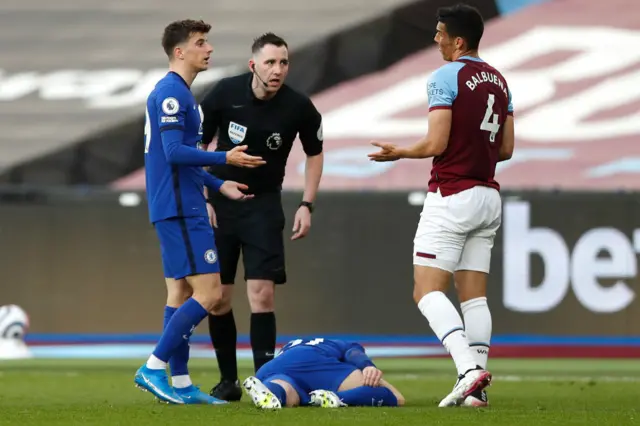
(442, 91)
(171, 123)
(211, 182)
(434, 143)
(171, 109)
(436, 140)
(230, 189)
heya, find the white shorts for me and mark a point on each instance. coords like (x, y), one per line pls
(457, 232)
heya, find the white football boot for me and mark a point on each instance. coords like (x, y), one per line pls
(468, 383)
(261, 396)
(325, 399)
(476, 399)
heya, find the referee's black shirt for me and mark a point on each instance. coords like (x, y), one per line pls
(268, 127)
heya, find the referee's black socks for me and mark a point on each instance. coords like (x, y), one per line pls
(263, 338)
(224, 336)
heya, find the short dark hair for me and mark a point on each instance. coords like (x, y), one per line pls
(179, 31)
(463, 21)
(267, 38)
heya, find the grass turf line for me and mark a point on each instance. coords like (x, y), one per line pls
(525, 392)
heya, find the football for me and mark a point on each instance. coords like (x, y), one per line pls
(14, 322)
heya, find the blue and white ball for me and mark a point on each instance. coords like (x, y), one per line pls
(14, 322)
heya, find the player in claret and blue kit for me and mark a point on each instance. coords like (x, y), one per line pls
(471, 129)
(175, 182)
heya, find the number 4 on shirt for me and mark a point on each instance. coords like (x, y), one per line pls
(490, 121)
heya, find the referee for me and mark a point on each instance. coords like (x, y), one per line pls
(257, 109)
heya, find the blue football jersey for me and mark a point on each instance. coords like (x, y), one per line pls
(173, 190)
(330, 347)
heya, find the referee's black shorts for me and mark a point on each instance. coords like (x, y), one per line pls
(256, 227)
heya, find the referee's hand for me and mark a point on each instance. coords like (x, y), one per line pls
(237, 157)
(301, 223)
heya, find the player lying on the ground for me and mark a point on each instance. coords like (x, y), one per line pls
(321, 372)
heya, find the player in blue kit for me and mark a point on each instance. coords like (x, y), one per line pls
(175, 184)
(321, 372)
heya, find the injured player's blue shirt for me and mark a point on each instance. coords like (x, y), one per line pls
(347, 351)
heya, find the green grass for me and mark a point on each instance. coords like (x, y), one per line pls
(524, 392)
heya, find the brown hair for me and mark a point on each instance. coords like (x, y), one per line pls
(179, 31)
(267, 38)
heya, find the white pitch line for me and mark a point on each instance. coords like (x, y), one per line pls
(612, 379)
(514, 378)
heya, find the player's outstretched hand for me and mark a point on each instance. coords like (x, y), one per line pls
(372, 376)
(233, 190)
(237, 157)
(388, 152)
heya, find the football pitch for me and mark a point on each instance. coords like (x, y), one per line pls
(524, 392)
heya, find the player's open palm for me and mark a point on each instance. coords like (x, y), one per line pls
(233, 190)
(388, 152)
(238, 157)
(301, 223)
(372, 376)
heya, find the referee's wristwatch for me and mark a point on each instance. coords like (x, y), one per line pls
(307, 204)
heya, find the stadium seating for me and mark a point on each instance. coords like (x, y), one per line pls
(76, 67)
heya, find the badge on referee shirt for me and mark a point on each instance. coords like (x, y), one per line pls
(274, 141)
(236, 132)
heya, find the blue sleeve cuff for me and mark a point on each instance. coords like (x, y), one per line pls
(212, 182)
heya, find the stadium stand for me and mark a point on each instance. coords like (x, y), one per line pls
(90, 64)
